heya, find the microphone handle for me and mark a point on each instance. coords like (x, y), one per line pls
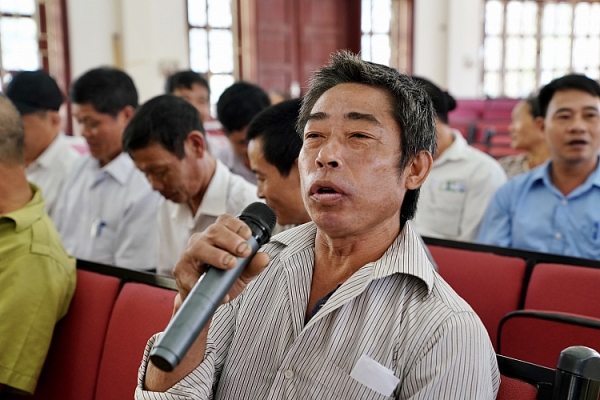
(196, 310)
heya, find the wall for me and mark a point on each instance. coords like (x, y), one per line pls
(146, 38)
(153, 37)
(447, 41)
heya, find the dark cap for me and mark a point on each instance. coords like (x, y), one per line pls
(31, 91)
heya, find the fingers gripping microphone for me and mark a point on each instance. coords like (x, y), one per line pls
(208, 292)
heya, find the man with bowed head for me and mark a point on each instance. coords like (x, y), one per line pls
(351, 291)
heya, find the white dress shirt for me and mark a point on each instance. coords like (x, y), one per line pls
(416, 333)
(457, 192)
(227, 193)
(48, 171)
(108, 214)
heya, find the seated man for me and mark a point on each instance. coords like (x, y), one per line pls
(236, 107)
(106, 211)
(554, 207)
(273, 149)
(47, 153)
(193, 87)
(462, 182)
(37, 276)
(351, 291)
(526, 135)
(167, 143)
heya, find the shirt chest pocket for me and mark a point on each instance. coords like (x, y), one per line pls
(336, 384)
(103, 235)
(443, 203)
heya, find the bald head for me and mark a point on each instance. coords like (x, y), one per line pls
(11, 133)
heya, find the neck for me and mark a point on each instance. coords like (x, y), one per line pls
(538, 155)
(444, 137)
(209, 166)
(15, 191)
(30, 154)
(344, 256)
(567, 177)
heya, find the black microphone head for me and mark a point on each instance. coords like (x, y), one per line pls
(263, 217)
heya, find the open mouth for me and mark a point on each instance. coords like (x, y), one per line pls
(577, 142)
(326, 190)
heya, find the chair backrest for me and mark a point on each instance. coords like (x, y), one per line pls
(539, 337)
(73, 360)
(140, 311)
(564, 288)
(515, 389)
(491, 284)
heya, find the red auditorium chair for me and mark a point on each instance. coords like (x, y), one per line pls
(521, 380)
(564, 288)
(490, 283)
(73, 361)
(140, 311)
(539, 337)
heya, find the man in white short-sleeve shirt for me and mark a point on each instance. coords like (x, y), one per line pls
(167, 142)
(47, 153)
(106, 211)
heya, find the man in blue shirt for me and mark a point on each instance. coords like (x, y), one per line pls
(555, 208)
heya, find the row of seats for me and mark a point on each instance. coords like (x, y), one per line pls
(97, 347)
(517, 299)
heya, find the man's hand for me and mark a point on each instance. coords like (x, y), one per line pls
(218, 246)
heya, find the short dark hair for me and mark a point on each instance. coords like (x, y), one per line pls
(411, 107)
(567, 82)
(534, 106)
(185, 79)
(276, 126)
(11, 133)
(442, 101)
(166, 120)
(239, 103)
(107, 89)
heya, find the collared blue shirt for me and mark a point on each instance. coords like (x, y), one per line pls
(529, 212)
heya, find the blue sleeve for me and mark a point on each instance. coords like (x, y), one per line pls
(496, 228)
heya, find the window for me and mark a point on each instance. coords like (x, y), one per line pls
(375, 27)
(528, 43)
(211, 43)
(20, 49)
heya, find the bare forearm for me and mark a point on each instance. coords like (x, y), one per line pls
(157, 380)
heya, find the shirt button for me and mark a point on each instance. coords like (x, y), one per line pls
(564, 202)
(288, 373)
(558, 235)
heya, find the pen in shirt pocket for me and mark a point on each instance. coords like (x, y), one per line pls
(97, 226)
(595, 231)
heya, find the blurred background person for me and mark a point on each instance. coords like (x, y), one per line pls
(37, 276)
(47, 153)
(461, 183)
(273, 149)
(106, 211)
(527, 134)
(166, 142)
(236, 107)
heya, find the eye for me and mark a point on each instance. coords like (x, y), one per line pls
(359, 135)
(311, 135)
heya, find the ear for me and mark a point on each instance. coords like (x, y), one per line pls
(540, 123)
(54, 118)
(418, 169)
(128, 113)
(196, 143)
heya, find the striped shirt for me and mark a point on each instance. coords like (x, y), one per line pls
(397, 310)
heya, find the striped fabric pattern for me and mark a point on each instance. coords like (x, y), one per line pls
(397, 310)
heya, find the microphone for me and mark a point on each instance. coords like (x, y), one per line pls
(207, 294)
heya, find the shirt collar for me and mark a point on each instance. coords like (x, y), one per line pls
(120, 168)
(542, 174)
(214, 202)
(455, 151)
(51, 153)
(32, 211)
(404, 256)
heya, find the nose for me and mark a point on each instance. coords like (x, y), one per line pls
(329, 155)
(578, 123)
(259, 190)
(156, 183)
